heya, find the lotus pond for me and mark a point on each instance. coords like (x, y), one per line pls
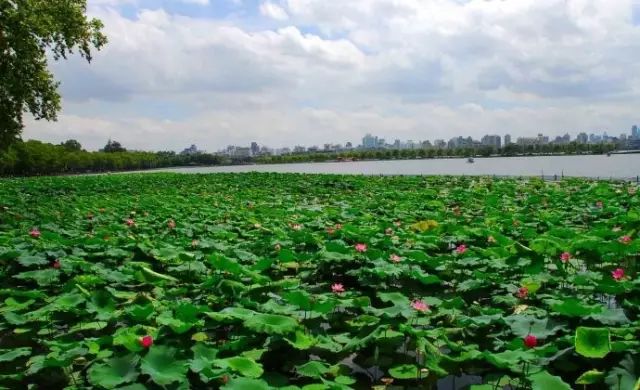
(264, 281)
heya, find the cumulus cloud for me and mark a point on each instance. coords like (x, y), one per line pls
(314, 71)
(273, 11)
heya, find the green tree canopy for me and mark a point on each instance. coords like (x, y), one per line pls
(30, 31)
(72, 145)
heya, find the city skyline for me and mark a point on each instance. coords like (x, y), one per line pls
(280, 72)
(496, 141)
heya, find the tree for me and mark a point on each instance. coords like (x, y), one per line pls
(113, 147)
(29, 30)
(72, 145)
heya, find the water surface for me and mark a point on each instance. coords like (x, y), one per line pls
(620, 166)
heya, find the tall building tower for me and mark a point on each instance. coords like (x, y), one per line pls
(635, 132)
(254, 148)
(507, 139)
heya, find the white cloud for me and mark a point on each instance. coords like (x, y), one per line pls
(273, 11)
(198, 2)
(404, 68)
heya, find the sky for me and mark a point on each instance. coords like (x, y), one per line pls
(309, 72)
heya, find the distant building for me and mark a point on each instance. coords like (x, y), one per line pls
(240, 151)
(348, 145)
(396, 144)
(440, 144)
(369, 142)
(507, 139)
(255, 149)
(582, 138)
(635, 132)
(299, 149)
(491, 140)
(191, 150)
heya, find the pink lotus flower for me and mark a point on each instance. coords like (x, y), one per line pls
(56, 264)
(397, 223)
(395, 258)
(338, 226)
(599, 204)
(461, 249)
(331, 230)
(171, 224)
(419, 306)
(130, 222)
(337, 288)
(530, 341)
(617, 274)
(361, 247)
(296, 226)
(277, 247)
(194, 243)
(565, 256)
(523, 292)
(146, 341)
(491, 240)
(625, 239)
(388, 231)
(34, 233)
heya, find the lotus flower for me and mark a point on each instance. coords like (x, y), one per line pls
(599, 204)
(338, 226)
(146, 341)
(56, 264)
(617, 274)
(277, 247)
(395, 258)
(361, 247)
(397, 223)
(34, 233)
(530, 341)
(337, 288)
(388, 231)
(419, 306)
(491, 240)
(171, 224)
(194, 243)
(461, 249)
(632, 190)
(130, 222)
(625, 239)
(523, 292)
(331, 230)
(565, 256)
(296, 226)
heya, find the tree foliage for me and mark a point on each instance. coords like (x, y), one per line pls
(30, 31)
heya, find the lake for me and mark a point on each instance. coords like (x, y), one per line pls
(620, 166)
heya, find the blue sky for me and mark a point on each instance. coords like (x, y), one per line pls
(287, 72)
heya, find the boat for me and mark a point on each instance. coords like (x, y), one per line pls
(608, 154)
(470, 160)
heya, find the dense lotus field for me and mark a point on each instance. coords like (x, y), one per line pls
(265, 281)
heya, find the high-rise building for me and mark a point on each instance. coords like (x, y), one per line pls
(635, 132)
(255, 149)
(369, 142)
(491, 140)
(582, 138)
(507, 139)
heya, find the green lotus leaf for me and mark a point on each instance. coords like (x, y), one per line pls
(592, 342)
(271, 323)
(246, 384)
(246, 367)
(160, 364)
(590, 377)
(543, 380)
(10, 355)
(301, 340)
(405, 371)
(626, 375)
(313, 369)
(114, 373)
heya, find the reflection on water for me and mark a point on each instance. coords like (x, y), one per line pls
(625, 166)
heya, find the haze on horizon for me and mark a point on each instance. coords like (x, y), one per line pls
(287, 72)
